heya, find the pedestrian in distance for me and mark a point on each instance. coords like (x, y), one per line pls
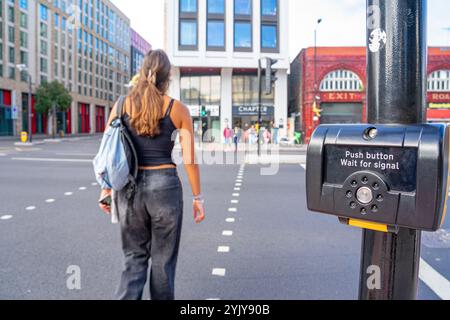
(151, 222)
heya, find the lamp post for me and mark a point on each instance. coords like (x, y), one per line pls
(315, 62)
(23, 68)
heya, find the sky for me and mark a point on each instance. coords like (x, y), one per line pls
(344, 22)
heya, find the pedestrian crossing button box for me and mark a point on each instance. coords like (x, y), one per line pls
(380, 177)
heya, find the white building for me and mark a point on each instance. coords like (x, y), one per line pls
(215, 46)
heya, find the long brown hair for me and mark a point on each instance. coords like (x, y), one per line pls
(147, 96)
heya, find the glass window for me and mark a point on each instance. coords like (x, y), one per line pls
(242, 7)
(269, 36)
(242, 35)
(216, 34)
(188, 6)
(188, 33)
(216, 6)
(269, 7)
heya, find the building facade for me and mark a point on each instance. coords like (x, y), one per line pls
(139, 47)
(335, 77)
(83, 44)
(215, 47)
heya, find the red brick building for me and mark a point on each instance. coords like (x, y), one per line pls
(341, 87)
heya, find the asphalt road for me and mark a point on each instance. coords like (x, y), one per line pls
(270, 246)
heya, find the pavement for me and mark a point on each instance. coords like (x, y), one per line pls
(259, 241)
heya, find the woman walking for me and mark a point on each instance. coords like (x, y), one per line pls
(151, 222)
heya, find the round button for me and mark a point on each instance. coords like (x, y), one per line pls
(365, 180)
(380, 198)
(374, 208)
(364, 195)
(376, 186)
(349, 194)
(353, 205)
(363, 211)
(354, 184)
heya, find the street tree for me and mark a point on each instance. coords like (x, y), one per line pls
(52, 97)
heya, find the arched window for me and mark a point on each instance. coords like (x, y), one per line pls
(439, 81)
(341, 80)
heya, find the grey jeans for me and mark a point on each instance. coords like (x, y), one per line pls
(150, 229)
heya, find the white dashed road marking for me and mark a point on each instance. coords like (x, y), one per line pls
(6, 217)
(82, 188)
(238, 184)
(227, 233)
(94, 184)
(67, 194)
(30, 208)
(223, 249)
(235, 194)
(303, 166)
(230, 220)
(219, 272)
(50, 200)
(232, 210)
(434, 280)
(237, 189)
(235, 201)
(51, 160)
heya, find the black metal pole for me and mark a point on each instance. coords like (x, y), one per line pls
(259, 105)
(396, 93)
(30, 110)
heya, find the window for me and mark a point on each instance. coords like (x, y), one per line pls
(243, 7)
(341, 80)
(245, 91)
(188, 25)
(243, 25)
(216, 25)
(200, 90)
(188, 33)
(269, 26)
(439, 81)
(188, 6)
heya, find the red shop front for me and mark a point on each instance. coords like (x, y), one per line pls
(342, 107)
(438, 107)
(100, 119)
(84, 118)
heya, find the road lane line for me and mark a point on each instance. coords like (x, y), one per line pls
(220, 272)
(230, 220)
(238, 184)
(94, 184)
(235, 194)
(51, 160)
(67, 194)
(50, 200)
(237, 189)
(234, 201)
(6, 217)
(82, 188)
(227, 233)
(239, 181)
(434, 280)
(223, 249)
(30, 208)
(232, 209)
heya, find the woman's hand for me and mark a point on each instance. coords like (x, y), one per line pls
(105, 208)
(199, 211)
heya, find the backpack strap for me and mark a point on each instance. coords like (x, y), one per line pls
(120, 104)
(169, 109)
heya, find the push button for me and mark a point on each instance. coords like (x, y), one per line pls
(364, 195)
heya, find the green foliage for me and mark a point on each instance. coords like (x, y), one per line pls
(52, 94)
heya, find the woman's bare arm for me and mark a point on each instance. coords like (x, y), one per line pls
(188, 149)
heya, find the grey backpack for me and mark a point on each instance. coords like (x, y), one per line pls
(116, 164)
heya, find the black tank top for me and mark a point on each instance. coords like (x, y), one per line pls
(156, 151)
